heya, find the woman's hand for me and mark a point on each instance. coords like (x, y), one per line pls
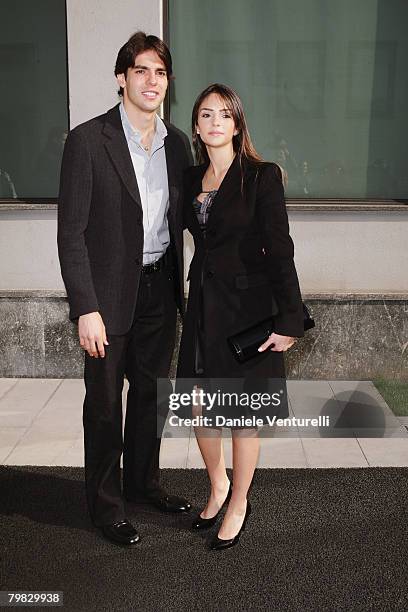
(277, 343)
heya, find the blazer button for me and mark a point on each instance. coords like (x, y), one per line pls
(210, 274)
(137, 261)
(139, 222)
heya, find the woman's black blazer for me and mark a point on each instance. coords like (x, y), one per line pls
(243, 269)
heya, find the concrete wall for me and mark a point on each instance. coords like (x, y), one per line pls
(351, 252)
(28, 251)
(354, 252)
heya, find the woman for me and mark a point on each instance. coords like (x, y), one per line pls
(241, 273)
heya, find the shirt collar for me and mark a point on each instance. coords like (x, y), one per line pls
(132, 134)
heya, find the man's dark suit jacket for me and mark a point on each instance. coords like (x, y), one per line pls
(100, 219)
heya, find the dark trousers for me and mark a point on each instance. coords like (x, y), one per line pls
(143, 355)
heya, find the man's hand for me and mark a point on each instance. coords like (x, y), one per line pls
(92, 334)
(278, 343)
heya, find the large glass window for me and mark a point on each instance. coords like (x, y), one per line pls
(33, 101)
(323, 84)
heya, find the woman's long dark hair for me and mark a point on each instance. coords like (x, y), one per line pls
(242, 143)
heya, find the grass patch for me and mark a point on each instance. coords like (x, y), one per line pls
(395, 393)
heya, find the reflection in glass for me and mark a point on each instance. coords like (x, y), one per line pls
(33, 104)
(322, 81)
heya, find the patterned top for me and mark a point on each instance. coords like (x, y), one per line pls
(202, 209)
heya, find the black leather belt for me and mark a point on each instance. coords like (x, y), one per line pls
(156, 266)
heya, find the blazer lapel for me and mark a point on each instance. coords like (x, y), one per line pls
(193, 191)
(171, 174)
(117, 148)
(230, 186)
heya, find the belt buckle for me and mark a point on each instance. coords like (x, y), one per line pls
(152, 267)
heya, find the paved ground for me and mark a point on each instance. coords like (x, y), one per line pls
(41, 424)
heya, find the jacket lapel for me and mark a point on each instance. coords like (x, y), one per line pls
(118, 151)
(230, 186)
(171, 154)
(194, 190)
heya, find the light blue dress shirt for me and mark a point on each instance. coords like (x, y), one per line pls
(151, 175)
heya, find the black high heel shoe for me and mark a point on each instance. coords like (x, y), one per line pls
(219, 544)
(203, 523)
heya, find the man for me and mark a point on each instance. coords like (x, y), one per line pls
(120, 249)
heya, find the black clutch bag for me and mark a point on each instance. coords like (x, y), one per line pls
(245, 344)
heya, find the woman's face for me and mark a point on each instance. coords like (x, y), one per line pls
(215, 124)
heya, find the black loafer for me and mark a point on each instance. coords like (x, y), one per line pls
(171, 503)
(122, 533)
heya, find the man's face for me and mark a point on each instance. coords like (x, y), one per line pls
(145, 84)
